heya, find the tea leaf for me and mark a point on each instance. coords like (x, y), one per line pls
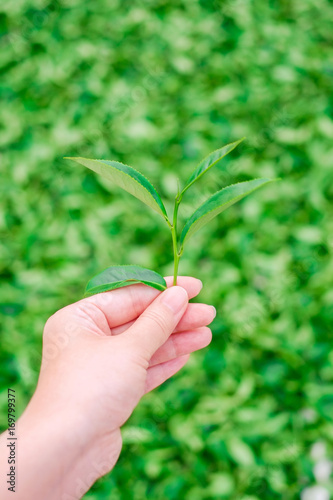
(210, 161)
(119, 276)
(128, 179)
(217, 203)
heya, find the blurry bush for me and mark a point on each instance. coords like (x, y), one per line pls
(158, 85)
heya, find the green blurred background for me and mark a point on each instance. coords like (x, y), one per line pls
(158, 85)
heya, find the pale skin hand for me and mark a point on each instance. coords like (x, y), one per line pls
(100, 356)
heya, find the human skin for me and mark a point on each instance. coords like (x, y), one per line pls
(100, 356)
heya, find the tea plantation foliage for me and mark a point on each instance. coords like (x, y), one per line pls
(158, 85)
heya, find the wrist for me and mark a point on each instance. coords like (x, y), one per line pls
(59, 456)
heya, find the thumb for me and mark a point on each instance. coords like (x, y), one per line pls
(158, 321)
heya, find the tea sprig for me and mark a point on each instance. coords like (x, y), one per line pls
(139, 186)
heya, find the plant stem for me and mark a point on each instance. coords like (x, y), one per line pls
(176, 254)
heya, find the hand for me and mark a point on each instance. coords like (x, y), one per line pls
(100, 356)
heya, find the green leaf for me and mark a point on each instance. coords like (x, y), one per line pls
(119, 276)
(128, 179)
(217, 203)
(210, 161)
(240, 452)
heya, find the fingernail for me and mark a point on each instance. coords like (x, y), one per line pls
(174, 297)
(213, 310)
